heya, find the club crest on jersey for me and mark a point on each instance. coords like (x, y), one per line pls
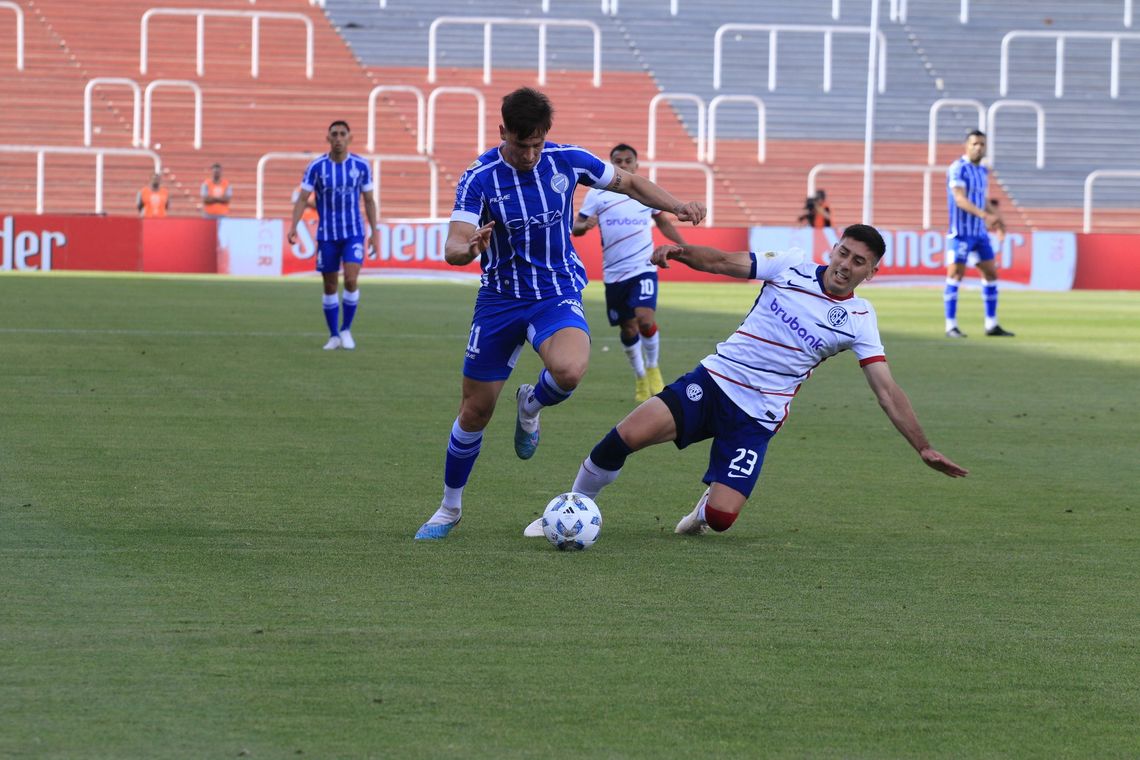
(837, 316)
(559, 183)
(354, 173)
(694, 392)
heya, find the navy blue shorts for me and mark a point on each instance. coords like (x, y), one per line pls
(330, 253)
(501, 325)
(701, 410)
(960, 248)
(625, 296)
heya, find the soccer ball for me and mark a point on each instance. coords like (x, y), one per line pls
(571, 521)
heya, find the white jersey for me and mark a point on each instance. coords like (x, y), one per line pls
(627, 233)
(793, 326)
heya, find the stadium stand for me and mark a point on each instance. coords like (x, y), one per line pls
(645, 50)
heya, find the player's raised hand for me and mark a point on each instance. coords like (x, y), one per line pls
(936, 461)
(691, 212)
(479, 241)
(662, 254)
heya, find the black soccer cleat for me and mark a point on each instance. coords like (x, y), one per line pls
(954, 332)
(997, 331)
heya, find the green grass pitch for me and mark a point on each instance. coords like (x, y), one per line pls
(206, 540)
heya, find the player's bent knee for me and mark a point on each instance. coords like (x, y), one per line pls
(569, 376)
(719, 520)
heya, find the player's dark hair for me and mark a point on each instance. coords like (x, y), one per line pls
(342, 123)
(868, 236)
(623, 146)
(527, 112)
(975, 133)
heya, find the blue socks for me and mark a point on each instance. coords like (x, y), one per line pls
(350, 301)
(332, 310)
(547, 392)
(462, 450)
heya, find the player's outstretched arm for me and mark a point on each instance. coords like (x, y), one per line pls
(641, 189)
(897, 407)
(466, 242)
(705, 259)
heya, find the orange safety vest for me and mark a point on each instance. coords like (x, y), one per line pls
(154, 201)
(216, 190)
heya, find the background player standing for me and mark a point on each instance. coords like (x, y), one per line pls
(630, 277)
(739, 395)
(513, 210)
(970, 219)
(340, 180)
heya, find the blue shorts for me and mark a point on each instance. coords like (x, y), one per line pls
(501, 325)
(961, 248)
(701, 410)
(625, 296)
(330, 253)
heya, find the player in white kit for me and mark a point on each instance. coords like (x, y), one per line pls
(630, 277)
(740, 395)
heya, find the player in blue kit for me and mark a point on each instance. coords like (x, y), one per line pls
(340, 180)
(971, 218)
(630, 277)
(513, 210)
(740, 395)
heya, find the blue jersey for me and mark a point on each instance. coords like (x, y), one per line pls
(974, 179)
(338, 188)
(530, 256)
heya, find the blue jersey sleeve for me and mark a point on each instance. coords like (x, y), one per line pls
(366, 180)
(468, 198)
(956, 176)
(590, 170)
(309, 180)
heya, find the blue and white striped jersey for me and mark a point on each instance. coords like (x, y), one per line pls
(337, 189)
(530, 256)
(975, 178)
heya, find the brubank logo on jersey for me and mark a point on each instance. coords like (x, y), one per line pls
(627, 222)
(541, 221)
(794, 325)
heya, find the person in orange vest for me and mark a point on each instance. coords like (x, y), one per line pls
(216, 194)
(153, 200)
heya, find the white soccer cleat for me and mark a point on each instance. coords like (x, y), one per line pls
(333, 344)
(534, 530)
(346, 341)
(692, 524)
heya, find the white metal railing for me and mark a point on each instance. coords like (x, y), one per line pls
(1102, 174)
(186, 83)
(897, 10)
(99, 153)
(774, 30)
(610, 7)
(1059, 74)
(935, 108)
(651, 147)
(480, 116)
(19, 31)
(380, 90)
(1128, 13)
(925, 169)
(761, 125)
(991, 117)
(89, 88)
(488, 22)
(200, 15)
(653, 166)
(377, 160)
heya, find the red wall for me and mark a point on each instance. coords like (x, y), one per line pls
(1108, 262)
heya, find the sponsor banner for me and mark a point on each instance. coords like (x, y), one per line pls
(179, 245)
(589, 248)
(51, 242)
(1108, 262)
(1043, 260)
(403, 246)
(250, 246)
